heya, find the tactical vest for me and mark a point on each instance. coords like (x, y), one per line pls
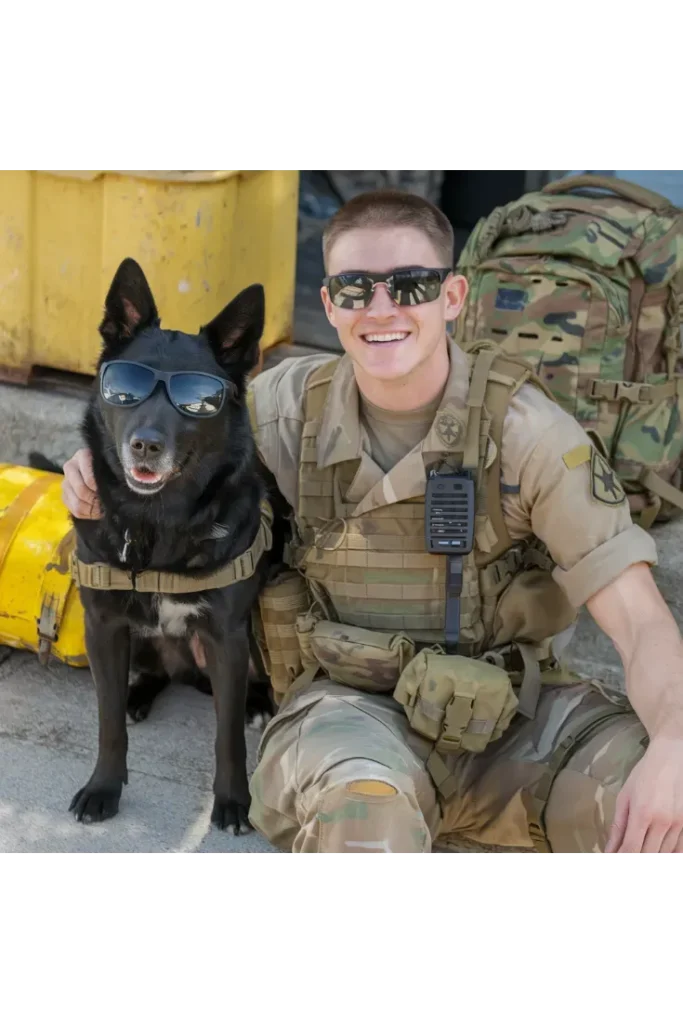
(372, 570)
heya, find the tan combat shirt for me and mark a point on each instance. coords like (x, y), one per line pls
(591, 542)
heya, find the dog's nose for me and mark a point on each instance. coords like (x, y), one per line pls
(147, 443)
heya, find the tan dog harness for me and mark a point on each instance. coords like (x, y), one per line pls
(101, 576)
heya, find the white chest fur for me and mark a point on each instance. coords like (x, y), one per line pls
(173, 617)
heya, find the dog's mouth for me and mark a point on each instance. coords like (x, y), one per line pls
(145, 480)
(149, 477)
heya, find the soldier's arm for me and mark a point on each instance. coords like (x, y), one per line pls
(634, 615)
(632, 612)
(554, 488)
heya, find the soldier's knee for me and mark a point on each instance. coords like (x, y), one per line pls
(361, 807)
(582, 800)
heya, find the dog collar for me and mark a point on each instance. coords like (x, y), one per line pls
(101, 576)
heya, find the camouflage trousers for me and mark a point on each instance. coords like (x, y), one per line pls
(341, 770)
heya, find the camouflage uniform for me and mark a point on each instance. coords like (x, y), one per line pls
(341, 769)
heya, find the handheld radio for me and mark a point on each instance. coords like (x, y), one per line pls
(449, 530)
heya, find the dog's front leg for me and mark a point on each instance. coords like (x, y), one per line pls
(109, 656)
(228, 667)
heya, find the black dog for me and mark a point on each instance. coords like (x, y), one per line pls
(180, 491)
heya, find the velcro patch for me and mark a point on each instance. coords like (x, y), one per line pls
(577, 456)
(605, 484)
(371, 787)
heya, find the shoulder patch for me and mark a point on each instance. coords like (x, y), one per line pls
(605, 484)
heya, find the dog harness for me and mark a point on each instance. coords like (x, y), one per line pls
(101, 576)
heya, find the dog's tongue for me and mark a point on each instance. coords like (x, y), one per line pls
(145, 476)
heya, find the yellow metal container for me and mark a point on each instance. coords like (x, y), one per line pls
(199, 236)
(40, 608)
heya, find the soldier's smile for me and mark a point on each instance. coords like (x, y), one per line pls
(385, 337)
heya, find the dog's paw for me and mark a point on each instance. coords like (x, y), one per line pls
(230, 814)
(260, 706)
(141, 695)
(96, 802)
(138, 712)
(259, 721)
(138, 709)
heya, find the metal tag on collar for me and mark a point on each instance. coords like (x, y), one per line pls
(126, 545)
(449, 530)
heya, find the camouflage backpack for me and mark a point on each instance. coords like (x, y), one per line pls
(588, 288)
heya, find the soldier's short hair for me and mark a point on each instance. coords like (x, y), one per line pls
(391, 208)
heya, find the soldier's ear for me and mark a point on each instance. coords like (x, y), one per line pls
(455, 291)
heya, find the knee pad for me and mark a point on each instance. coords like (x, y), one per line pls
(364, 808)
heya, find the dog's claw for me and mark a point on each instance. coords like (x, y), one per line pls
(95, 804)
(139, 713)
(230, 814)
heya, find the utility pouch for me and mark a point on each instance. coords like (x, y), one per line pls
(460, 704)
(363, 658)
(280, 603)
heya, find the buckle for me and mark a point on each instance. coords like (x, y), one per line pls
(101, 577)
(606, 389)
(633, 392)
(620, 390)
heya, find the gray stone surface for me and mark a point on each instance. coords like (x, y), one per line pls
(45, 420)
(48, 716)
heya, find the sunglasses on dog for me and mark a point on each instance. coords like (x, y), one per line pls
(410, 286)
(126, 384)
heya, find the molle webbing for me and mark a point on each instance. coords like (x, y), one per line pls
(374, 566)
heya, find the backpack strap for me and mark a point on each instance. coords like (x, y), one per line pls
(316, 388)
(505, 376)
(617, 186)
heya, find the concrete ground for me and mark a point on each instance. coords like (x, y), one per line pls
(48, 730)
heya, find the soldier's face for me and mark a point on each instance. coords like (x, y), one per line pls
(385, 340)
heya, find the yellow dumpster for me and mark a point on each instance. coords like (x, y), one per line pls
(199, 236)
(40, 608)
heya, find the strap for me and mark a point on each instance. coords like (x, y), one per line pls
(454, 574)
(20, 508)
(632, 391)
(56, 585)
(316, 388)
(498, 394)
(99, 576)
(300, 683)
(618, 187)
(661, 488)
(530, 690)
(475, 404)
(442, 776)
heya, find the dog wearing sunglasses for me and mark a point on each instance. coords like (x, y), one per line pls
(176, 470)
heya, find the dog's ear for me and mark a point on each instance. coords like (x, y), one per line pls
(129, 306)
(235, 333)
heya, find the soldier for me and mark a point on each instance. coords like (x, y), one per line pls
(430, 702)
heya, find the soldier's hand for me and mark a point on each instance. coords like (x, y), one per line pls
(649, 810)
(79, 490)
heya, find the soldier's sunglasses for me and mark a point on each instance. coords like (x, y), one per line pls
(125, 384)
(408, 286)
